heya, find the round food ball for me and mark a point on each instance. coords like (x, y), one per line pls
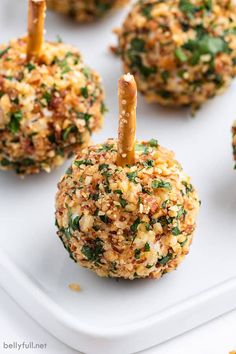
(181, 52)
(129, 222)
(48, 108)
(234, 140)
(85, 10)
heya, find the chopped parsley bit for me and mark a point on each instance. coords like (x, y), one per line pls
(164, 260)
(183, 243)
(64, 66)
(118, 191)
(78, 163)
(188, 187)
(47, 96)
(165, 75)
(181, 212)
(148, 226)
(180, 55)
(135, 225)
(4, 51)
(105, 219)
(161, 184)
(103, 166)
(106, 147)
(93, 252)
(176, 231)
(73, 224)
(30, 66)
(137, 253)
(138, 44)
(70, 129)
(14, 123)
(148, 163)
(205, 44)
(96, 228)
(142, 148)
(132, 176)
(86, 72)
(122, 202)
(84, 92)
(153, 143)
(5, 162)
(146, 247)
(148, 266)
(94, 196)
(146, 11)
(164, 204)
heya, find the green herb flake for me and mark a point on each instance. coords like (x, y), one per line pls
(122, 202)
(161, 184)
(176, 231)
(142, 148)
(84, 92)
(4, 51)
(153, 143)
(47, 96)
(180, 55)
(135, 225)
(85, 162)
(147, 247)
(148, 163)
(93, 252)
(137, 253)
(70, 129)
(138, 44)
(132, 176)
(164, 260)
(30, 66)
(14, 123)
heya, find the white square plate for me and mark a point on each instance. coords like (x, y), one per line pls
(110, 316)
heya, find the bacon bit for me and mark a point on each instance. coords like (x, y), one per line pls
(150, 202)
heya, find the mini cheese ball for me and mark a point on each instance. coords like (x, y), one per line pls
(126, 209)
(181, 52)
(85, 10)
(234, 141)
(50, 101)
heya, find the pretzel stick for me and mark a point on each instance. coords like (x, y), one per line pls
(127, 92)
(36, 18)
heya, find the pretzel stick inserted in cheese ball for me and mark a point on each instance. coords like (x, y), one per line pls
(36, 18)
(127, 92)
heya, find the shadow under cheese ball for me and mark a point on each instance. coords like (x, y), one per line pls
(130, 219)
(85, 10)
(181, 52)
(49, 105)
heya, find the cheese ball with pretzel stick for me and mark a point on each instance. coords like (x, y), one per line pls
(85, 10)
(50, 101)
(181, 52)
(125, 208)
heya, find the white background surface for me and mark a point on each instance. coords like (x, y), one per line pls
(216, 337)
